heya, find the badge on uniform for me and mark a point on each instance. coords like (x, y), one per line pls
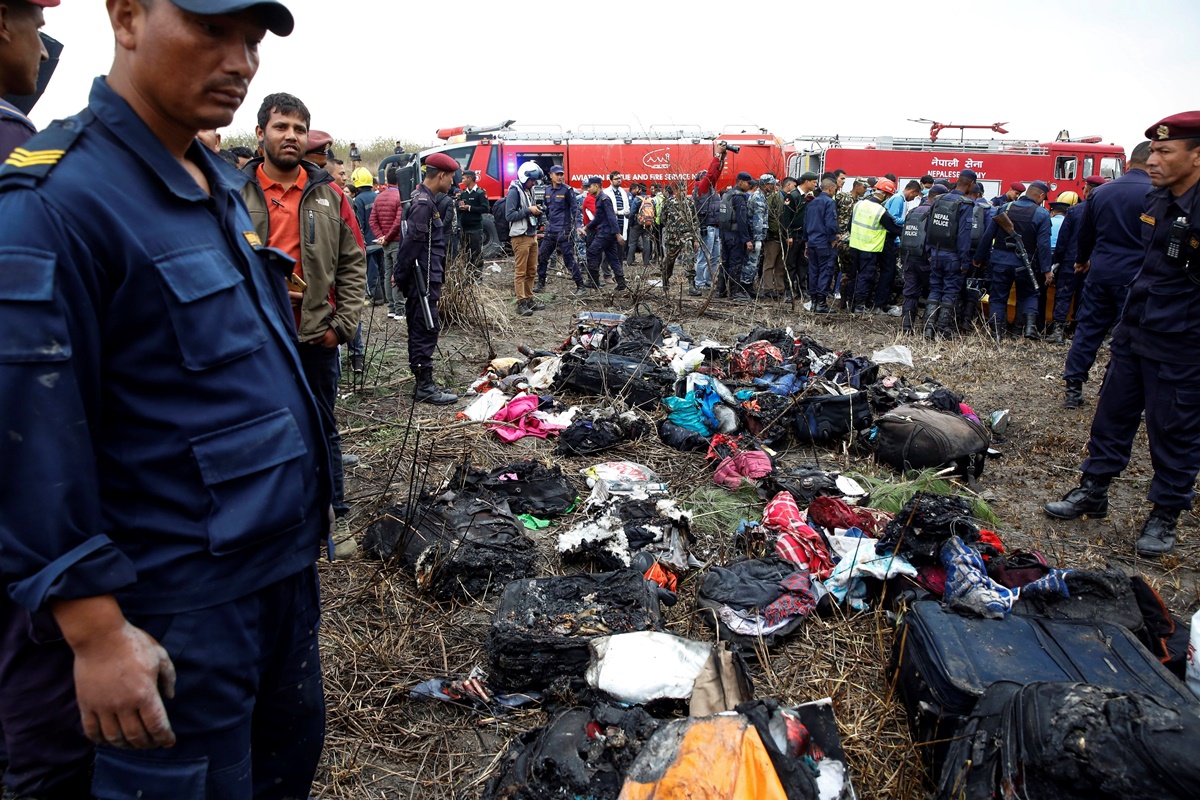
(1149, 220)
(252, 239)
(1163, 132)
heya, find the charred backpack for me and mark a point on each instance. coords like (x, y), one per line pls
(918, 436)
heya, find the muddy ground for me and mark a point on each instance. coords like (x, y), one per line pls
(380, 638)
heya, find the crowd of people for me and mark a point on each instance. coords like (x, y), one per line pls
(171, 360)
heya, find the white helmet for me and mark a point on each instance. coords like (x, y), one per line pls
(530, 171)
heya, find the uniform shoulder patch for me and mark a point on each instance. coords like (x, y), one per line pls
(1146, 218)
(44, 150)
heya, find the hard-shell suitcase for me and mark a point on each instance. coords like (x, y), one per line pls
(942, 662)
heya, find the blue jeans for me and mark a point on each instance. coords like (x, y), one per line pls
(708, 256)
(374, 267)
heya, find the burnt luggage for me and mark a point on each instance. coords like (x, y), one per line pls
(542, 627)
(943, 662)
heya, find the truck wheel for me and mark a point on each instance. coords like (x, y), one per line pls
(492, 247)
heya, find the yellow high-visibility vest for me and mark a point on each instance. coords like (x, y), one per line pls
(866, 233)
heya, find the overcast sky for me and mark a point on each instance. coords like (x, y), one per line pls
(796, 68)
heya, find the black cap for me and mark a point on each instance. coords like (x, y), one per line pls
(745, 176)
(274, 14)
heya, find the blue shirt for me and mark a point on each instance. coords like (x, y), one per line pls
(161, 443)
(563, 209)
(1110, 235)
(1066, 249)
(1056, 223)
(820, 222)
(1161, 318)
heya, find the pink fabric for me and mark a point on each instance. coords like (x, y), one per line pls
(751, 464)
(520, 410)
(797, 542)
(830, 512)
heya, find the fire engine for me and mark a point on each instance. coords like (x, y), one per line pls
(664, 155)
(658, 156)
(1063, 163)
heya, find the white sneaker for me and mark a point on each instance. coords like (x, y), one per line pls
(894, 311)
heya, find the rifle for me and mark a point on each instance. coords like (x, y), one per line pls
(1006, 225)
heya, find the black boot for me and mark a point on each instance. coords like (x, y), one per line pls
(523, 309)
(906, 322)
(1054, 334)
(721, 286)
(946, 325)
(1090, 498)
(540, 286)
(1074, 396)
(1158, 534)
(426, 391)
(860, 307)
(1031, 331)
(931, 321)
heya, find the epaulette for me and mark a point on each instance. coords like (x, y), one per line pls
(31, 163)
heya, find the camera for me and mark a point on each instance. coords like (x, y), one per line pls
(733, 148)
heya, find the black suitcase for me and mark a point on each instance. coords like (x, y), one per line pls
(942, 662)
(1072, 741)
(639, 380)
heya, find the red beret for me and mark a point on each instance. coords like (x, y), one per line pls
(1095, 180)
(1016, 186)
(441, 161)
(44, 3)
(318, 142)
(1184, 125)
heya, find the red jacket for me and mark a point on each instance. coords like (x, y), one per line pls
(385, 213)
(589, 208)
(709, 182)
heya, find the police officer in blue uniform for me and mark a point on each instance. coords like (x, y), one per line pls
(419, 274)
(1109, 252)
(167, 474)
(564, 212)
(1066, 247)
(606, 237)
(952, 213)
(736, 241)
(42, 754)
(1031, 222)
(1155, 364)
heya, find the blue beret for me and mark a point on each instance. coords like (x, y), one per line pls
(969, 174)
(1040, 185)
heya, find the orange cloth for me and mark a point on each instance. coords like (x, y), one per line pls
(718, 758)
(283, 209)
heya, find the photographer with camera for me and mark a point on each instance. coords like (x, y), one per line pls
(523, 217)
(708, 212)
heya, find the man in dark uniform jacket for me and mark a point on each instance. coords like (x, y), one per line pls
(424, 248)
(1155, 365)
(167, 483)
(1109, 252)
(606, 239)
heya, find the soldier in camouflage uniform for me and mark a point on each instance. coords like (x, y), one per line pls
(845, 209)
(756, 214)
(679, 227)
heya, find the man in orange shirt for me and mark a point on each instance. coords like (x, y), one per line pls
(297, 208)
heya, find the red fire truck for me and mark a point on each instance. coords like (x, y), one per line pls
(655, 156)
(1063, 163)
(663, 155)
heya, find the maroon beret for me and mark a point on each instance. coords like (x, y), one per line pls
(318, 142)
(1095, 180)
(441, 161)
(1184, 125)
(1016, 186)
